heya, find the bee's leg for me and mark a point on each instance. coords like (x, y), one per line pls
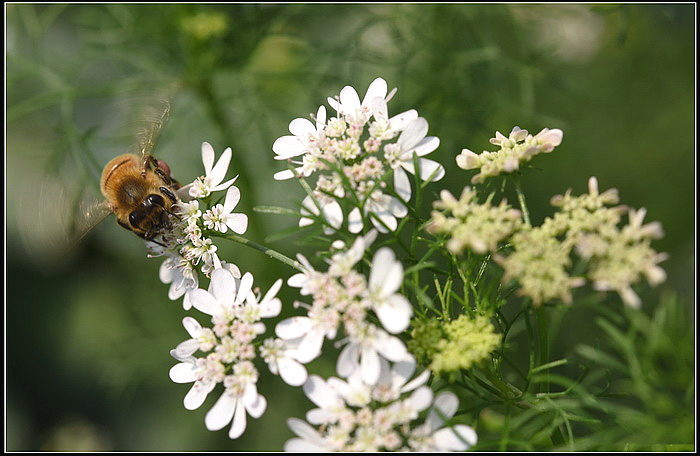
(167, 192)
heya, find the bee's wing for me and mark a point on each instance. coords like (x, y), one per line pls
(151, 120)
(53, 215)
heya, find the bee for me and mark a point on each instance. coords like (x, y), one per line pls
(55, 212)
(139, 190)
(141, 193)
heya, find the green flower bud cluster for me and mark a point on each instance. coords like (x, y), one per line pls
(457, 344)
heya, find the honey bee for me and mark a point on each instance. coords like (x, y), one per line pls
(54, 212)
(139, 190)
(141, 193)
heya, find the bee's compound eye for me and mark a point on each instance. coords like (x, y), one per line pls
(135, 219)
(155, 200)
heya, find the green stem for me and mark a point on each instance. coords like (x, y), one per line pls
(542, 330)
(267, 251)
(521, 200)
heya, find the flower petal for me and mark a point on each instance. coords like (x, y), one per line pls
(377, 88)
(222, 412)
(293, 327)
(233, 196)
(348, 360)
(457, 438)
(303, 429)
(207, 157)
(421, 398)
(386, 274)
(257, 407)
(217, 174)
(369, 365)
(197, 394)
(244, 288)
(355, 221)
(414, 132)
(287, 147)
(237, 222)
(349, 100)
(239, 422)
(390, 347)
(204, 302)
(192, 326)
(394, 313)
(302, 128)
(425, 146)
(292, 372)
(444, 408)
(183, 373)
(402, 185)
(185, 349)
(320, 393)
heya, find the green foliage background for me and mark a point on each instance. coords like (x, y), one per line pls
(88, 330)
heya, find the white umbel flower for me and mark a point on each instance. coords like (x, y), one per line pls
(213, 177)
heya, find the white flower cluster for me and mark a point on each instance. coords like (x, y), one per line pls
(519, 147)
(227, 350)
(355, 416)
(344, 297)
(349, 163)
(186, 248)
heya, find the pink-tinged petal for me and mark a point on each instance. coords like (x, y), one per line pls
(369, 365)
(386, 274)
(183, 373)
(377, 88)
(303, 429)
(349, 99)
(233, 196)
(399, 121)
(239, 422)
(207, 157)
(197, 394)
(447, 403)
(284, 175)
(221, 167)
(457, 438)
(185, 349)
(426, 146)
(416, 382)
(257, 406)
(394, 313)
(293, 328)
(270, 308)
(244, 288)
(379, 108)
(414, 132)
(355, 221)
(310, 346)
(237, 222)
(204, 302)
(223, 286)
(287, 147)
(302, 128)
(292, 372)
(320, 392)
(421, 398)
(402, 185)
(348, 360)
(221, 413)
(192, 326)
(390, 347)
(550, 138)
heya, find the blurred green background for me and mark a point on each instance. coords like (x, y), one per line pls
(89, 327)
